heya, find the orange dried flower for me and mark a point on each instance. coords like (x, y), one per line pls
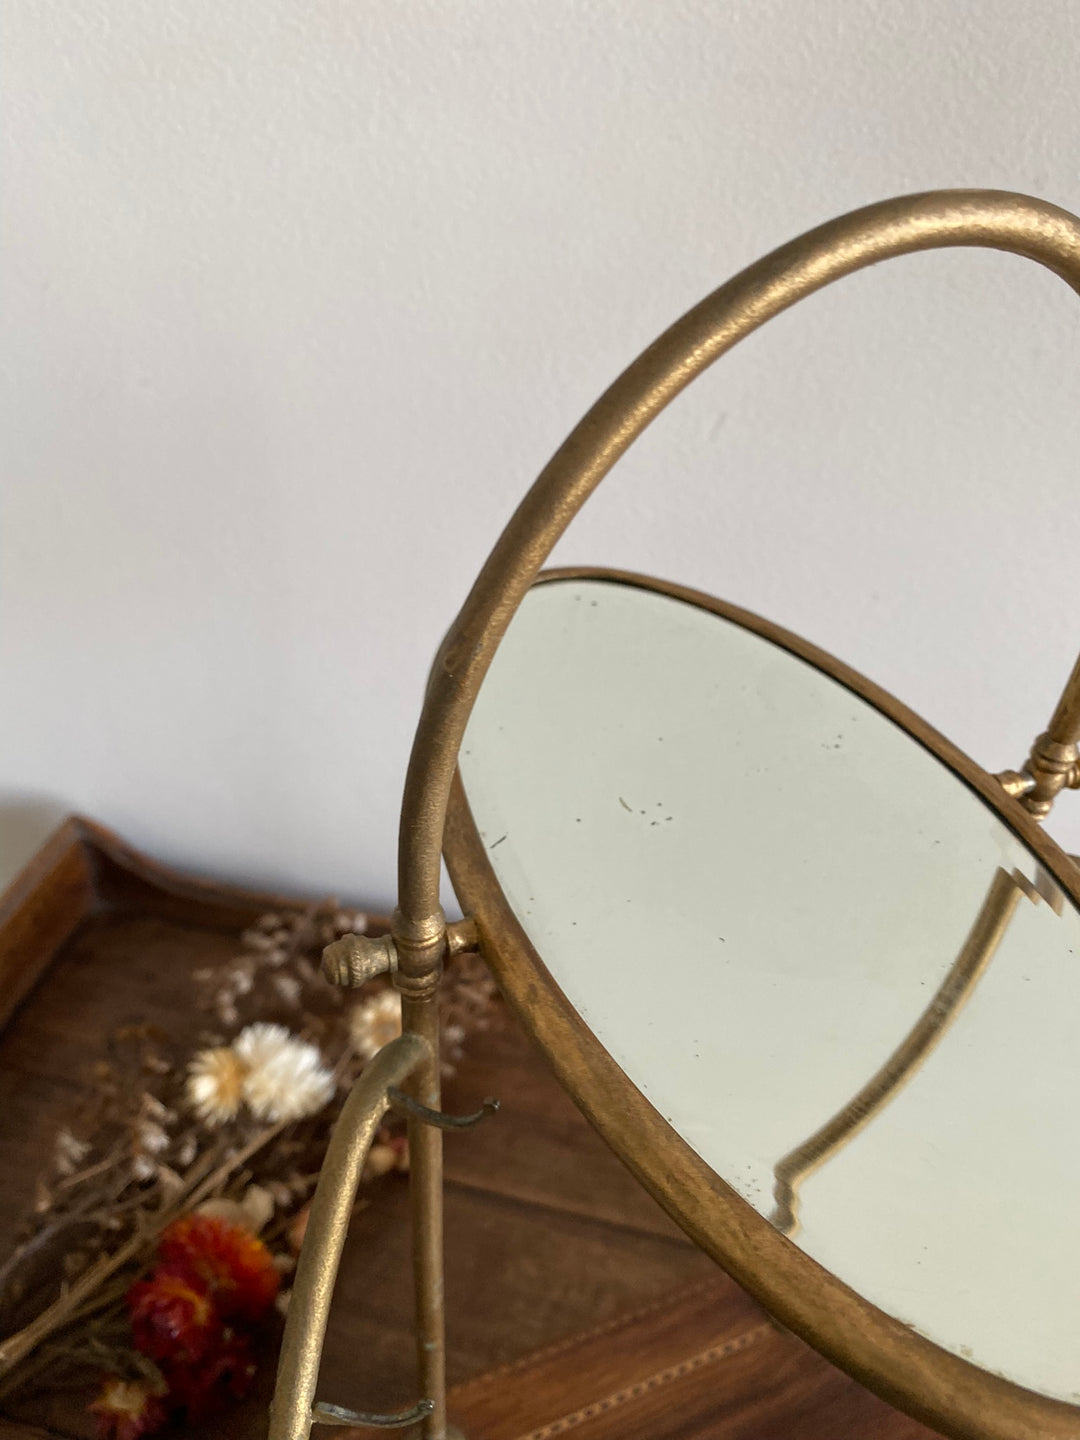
(172, 1318)
(128, 1409)
(210, 1275)
(232, 1266)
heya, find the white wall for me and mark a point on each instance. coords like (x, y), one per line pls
(300, 294)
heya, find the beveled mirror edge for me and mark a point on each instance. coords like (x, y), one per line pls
(887, 1356)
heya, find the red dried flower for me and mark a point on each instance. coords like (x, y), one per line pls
(225, 1375)
(228, 1263)
(172, 1318)
(128, 1409)
(210, 1274)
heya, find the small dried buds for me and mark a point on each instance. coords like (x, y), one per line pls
(373, 1023)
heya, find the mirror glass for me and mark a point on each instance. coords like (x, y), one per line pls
(826, 961)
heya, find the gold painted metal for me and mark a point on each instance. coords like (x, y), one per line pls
(993, 219)
(420, 944)
(1016, 782)
(406, 1105)
(946, 1392)
(1054, 766)
(355, 959)
(1054, 762)
(325, 1414)
(461, 937)
(988, 218)
(293, 1411)
(413, 955)
(886, 1356)
(955, 989)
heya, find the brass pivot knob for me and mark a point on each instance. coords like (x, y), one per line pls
(355, 959)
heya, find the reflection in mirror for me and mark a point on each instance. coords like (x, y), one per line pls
(821, 956)
(962, 977)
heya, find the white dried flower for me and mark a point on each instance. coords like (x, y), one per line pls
(150, 1137)
(157, 1110)
(149, 1140)
(288, 987)
(186, 1151)
(381, 1159)
(68, 1152)
(259, 1043)
(375, 1022)
(215, 1084)
(226, 1011)
(252, 1212)
(279, 1193)
(258, 1206)
(286, 1078)
(256, 940)
(241, 981)
(349, 922)
(170, 1183)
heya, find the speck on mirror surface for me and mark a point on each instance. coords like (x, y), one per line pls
(750, 884)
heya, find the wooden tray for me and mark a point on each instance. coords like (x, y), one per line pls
(546, 1231)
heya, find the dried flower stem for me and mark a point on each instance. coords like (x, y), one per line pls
(74, 1302)
(35, 1367)
(36, 1243)
(69, 1181)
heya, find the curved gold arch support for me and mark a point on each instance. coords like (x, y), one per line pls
(991, 219)
(293, 1410)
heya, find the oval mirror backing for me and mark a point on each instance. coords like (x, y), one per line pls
(829, 963)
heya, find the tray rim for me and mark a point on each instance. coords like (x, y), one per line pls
(59, 888)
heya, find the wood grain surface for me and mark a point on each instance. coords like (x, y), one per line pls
(574, 1305)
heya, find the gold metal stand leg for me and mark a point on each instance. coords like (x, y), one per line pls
(413, 957)
(293, 1410)
(420, 947)
(426, 1167)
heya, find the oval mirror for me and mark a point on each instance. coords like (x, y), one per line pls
(776, 914)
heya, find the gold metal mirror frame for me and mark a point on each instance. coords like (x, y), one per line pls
(886, 1355)
(912, 1372)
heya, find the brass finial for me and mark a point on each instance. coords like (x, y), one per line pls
(355, 959)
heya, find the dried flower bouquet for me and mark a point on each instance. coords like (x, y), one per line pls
(164, 1235)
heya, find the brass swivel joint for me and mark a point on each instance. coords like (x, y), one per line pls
(355, 959)
(1052, 766)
